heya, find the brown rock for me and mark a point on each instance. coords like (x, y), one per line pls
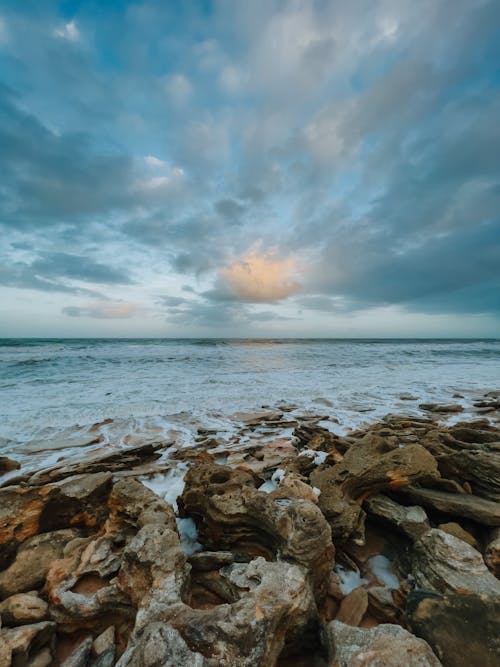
(479, 467)
(32, 562)
(445, 564)
(104, 649)
(353, 607)
(441, 409)
(23, 608)
(230, 513)
(5, 653)
(492, 552)
(8, 465)
(80, 656)
(463, 630)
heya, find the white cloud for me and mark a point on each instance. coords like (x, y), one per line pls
(179, 89)
(69, 31)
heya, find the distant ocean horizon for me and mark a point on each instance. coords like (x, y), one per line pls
(149, 387)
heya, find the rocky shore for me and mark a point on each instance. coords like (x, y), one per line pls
(303, 548)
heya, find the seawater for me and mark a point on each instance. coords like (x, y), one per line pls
(48, 387)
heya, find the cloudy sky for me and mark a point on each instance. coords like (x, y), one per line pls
(250, 168)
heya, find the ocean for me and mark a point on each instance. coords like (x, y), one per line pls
(150, 388)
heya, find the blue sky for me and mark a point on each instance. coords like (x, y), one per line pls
(253, 168)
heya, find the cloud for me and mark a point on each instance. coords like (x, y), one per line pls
(179, 89)
(103, 310)
(69, 31)
(261, 278)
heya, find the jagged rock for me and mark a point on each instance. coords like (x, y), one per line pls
(383, 606)
(27, 511)
(412, 521)
(94, 463)
(5, 653)
(441, 409)
(104, 649)
(26, 641)
(456, 504)
(33, 560)
(445, 564)
(260, 457)
(492, 552)
(8, 465)
(23, 608)
(353, 607)
(79, 591)
(479, 467)
(230, 513)
(276, 606)
(384, 646)
(453, 528)
(132, 505)
(153, 566)
(463, 630)
(160, 645)
(205, 561)
(368, 468)
(79, 657)
(42, 659)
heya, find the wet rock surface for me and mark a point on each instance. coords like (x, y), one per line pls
(380, 547)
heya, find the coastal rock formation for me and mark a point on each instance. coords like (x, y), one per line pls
(463, 630)
(231, 513)
(445, 564)
(386, 645)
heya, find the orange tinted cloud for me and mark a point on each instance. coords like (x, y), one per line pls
(261, 277)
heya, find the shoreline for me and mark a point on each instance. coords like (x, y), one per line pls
(311, 541)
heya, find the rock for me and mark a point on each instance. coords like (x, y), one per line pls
(8, 465)
(383, 606)
(23, 608)
(445, 564)
(255, 418)
(492, 552)
(205, 561)
(28, 511)
(353, 607)
(132, 505)
(440, 409)
(160, 645)
(41, 659)
(79, 590)
(90, 464)
(104, 649)
(411, 521)
(383, 646)
(373, 465)
(231, 514)
(153, 567)
(481, 468)
(260, 457)
(32, 562)
(276, 607)
(79, 657)
(456, 504)
(463, 630)
(5, 653)
(26, 641)
(456, 529)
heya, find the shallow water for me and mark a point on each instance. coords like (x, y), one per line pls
(48, 387)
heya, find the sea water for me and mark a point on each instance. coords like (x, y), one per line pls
(153, 387)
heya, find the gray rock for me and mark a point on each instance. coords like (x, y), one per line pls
(160, 645)
(104, 649)
(412, 521)
(384, 646)
(80, 656)
(445, 564)
(26, 641)
(29, 569)
(492, 552)
(205, 561)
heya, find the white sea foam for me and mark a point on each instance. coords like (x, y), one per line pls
(168, 485)
(383, 570)
(349, 579)
(273, 483)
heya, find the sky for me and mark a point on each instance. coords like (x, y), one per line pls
(250, 168)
